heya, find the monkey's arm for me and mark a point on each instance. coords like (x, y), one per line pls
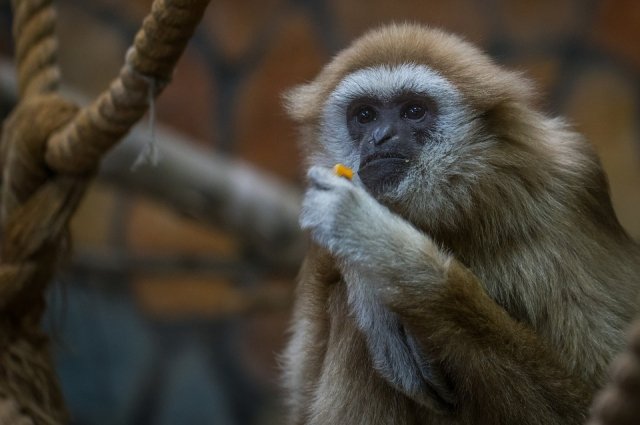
(500, 370)
(495, 369)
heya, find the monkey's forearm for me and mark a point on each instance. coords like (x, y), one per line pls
(500, 370)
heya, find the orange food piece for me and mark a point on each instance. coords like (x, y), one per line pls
(343, 171)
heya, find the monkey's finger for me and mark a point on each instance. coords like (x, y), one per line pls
(325, 179)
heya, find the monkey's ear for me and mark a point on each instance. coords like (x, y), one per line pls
(301, 102)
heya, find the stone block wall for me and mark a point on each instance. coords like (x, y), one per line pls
(161, 320)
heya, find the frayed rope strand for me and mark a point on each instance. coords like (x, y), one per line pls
(150, 154)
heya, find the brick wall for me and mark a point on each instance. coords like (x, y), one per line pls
(161, 320)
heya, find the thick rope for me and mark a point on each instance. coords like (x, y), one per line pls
(36, 47)
(148, 67)
(36, 207)
(48, 154)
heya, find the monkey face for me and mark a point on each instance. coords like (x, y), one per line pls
(402, 128)
(390, 135)
(479, 161)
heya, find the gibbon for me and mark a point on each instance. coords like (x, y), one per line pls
(474, 271)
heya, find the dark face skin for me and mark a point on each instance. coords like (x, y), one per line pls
(390, 136)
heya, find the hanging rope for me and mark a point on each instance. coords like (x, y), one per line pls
(49, 153)
(148, 67)
(36, 47)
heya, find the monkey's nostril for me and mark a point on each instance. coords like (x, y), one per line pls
(382, 139)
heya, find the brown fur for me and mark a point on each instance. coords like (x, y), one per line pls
(483, 83)
(535, 298)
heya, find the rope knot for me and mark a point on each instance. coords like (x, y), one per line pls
(24, 142)
(31, 200)
(34, 216)
(48, 154)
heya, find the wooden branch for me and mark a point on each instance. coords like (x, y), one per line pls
(223, 192)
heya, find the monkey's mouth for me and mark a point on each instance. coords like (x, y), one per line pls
(380, 171)
(382, 156)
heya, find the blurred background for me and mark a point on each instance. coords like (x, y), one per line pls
(176, 303)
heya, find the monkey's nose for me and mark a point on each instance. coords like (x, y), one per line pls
(382, 134)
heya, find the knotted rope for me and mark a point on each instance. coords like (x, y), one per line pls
(50, 150)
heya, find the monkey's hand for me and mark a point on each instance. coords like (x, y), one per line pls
(340, 215)
(356, 228)
(330, 208)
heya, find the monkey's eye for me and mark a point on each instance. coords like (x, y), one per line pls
(365, 114)
(414, 111)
